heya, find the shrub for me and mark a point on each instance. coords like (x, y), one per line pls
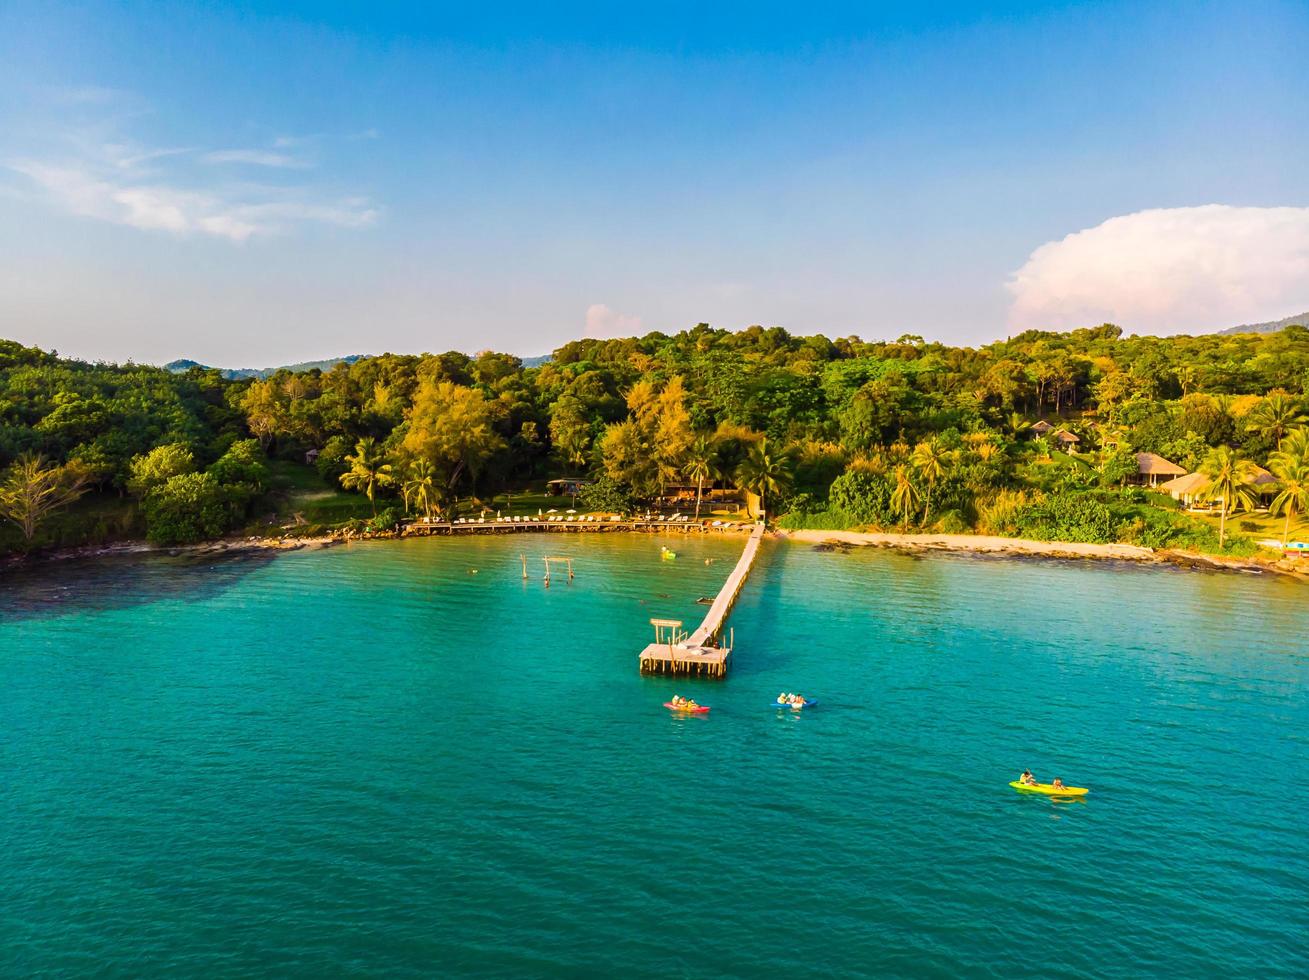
(863, 496)
(331, 462)
(999, 514)
(953, 522)
(187, 508)
(606, 494)
(158, 466)
(387, 520)
(242, 463)
(1068, 517)
(830, 519)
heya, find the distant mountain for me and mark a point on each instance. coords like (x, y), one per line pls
(182, 365)
(1271, 326)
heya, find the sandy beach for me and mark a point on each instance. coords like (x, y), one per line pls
(1024, 547)
(987, 544)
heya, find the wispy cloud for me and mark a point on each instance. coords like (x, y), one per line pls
(603, 323)
(154, 207)
(1169, 269)
(256, 158)
(95, 170)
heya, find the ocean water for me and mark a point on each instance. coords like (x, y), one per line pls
(402, 759)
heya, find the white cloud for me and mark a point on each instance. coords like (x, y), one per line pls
(95, 170)
(158, 207)
(257, 158)
(1169, 269)
(602, 323)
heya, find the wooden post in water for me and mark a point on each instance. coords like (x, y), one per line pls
(566, 560)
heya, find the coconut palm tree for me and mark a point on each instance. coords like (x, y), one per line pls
(1230, 478)
(906, 496)
(420, 485)
(700, 465)
(1016, 425)
(1296, 442)
(764, 470)
(368, 470)
(1275, 416)
(1292, 474)
(931, 462)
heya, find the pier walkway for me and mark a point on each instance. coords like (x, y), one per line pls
(702, 651)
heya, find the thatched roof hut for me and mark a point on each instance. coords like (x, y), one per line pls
(1066, 438)
(1262, 477)
(1151, 464)
(1188, 488)
(1151, 468)
(1042, 427)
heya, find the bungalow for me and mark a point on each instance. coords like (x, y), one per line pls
(1066, 439)
(569, 487)
(1191, 489)
(1042, 427)
(1151, 469)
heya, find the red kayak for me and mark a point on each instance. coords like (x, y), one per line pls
(699, 709)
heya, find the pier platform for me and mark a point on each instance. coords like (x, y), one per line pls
(701, 652)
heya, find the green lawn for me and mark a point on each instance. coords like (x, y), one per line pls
(286, 476)
(1258, 526)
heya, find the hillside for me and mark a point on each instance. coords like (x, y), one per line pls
(182, 365)
(1272, 326)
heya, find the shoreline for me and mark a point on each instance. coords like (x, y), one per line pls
(1028, 548)
(285, 542)
(962, 544)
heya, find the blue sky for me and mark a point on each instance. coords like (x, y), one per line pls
(258, 183)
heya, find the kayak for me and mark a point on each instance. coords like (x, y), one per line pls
(794, 707)
(699, 709)
(1046, 789)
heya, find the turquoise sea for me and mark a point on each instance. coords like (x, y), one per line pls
(400, 759)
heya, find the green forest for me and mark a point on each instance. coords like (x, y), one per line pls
(812, 432)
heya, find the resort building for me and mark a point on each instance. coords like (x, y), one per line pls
(1193, 488)
(569, 487)
(1152, 469)
(1190, 489)
(1041, 428)
(1066, 439)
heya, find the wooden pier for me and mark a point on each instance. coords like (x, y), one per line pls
(701, 652)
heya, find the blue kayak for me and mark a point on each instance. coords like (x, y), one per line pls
(794, 707)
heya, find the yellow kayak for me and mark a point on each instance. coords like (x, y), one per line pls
(1049, 790)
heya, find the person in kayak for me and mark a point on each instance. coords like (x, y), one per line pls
(1057, 784)
(1027, 779)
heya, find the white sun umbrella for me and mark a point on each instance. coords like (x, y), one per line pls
(570, 511)
(538, 512)
(552, 510)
